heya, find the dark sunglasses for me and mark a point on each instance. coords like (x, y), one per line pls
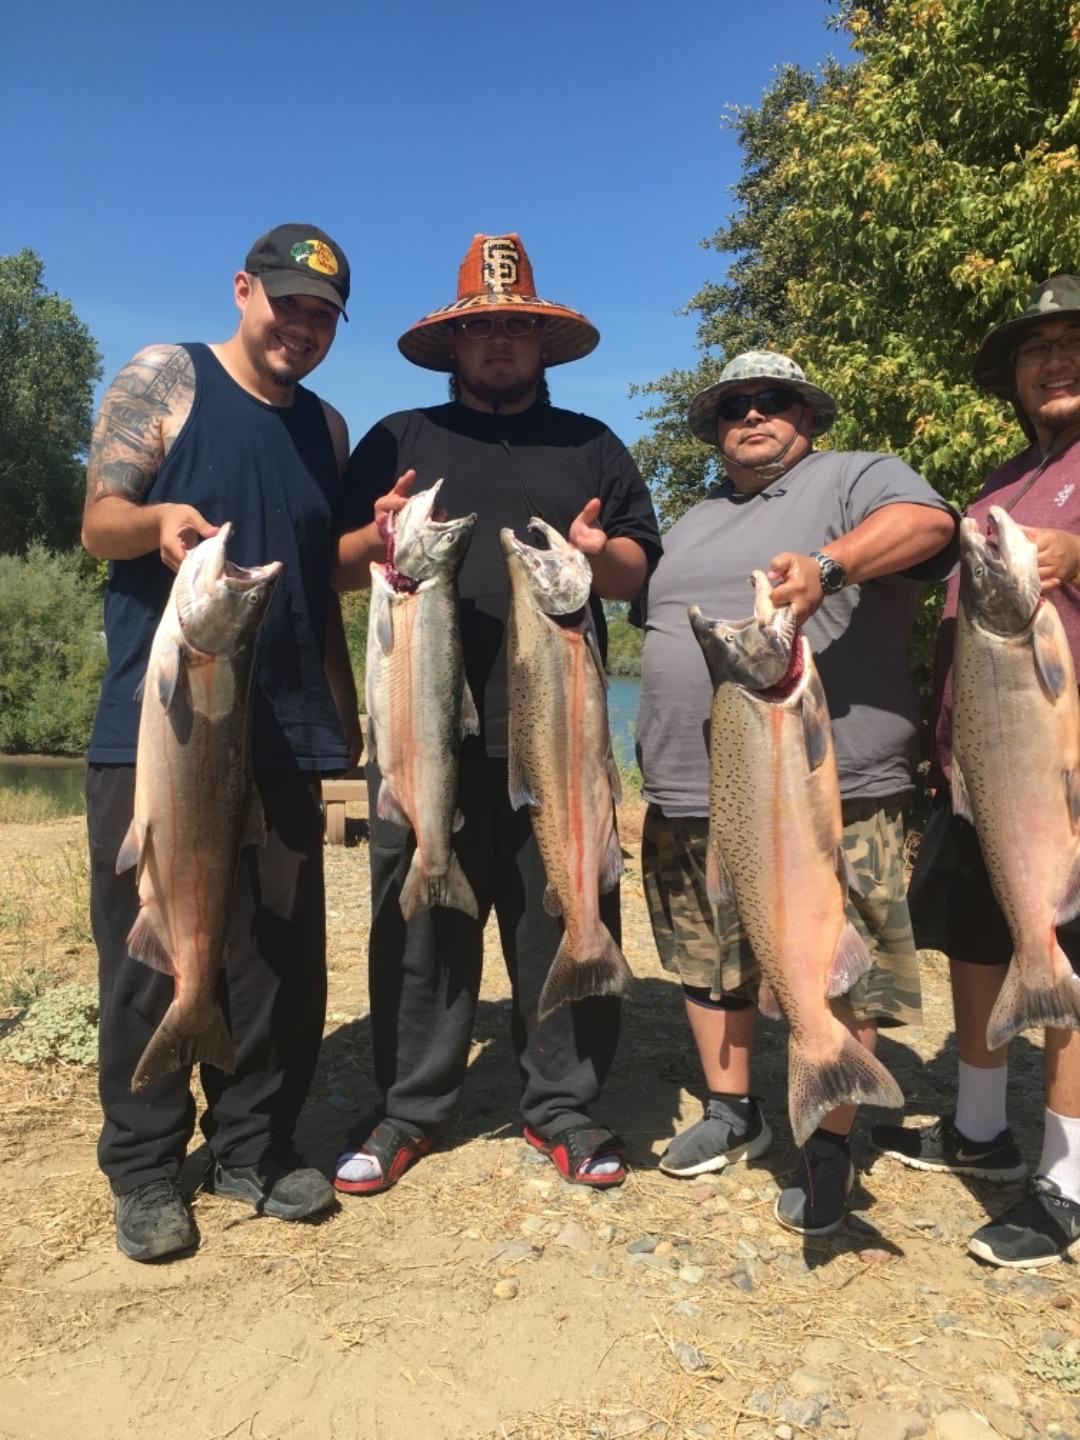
(765, 402)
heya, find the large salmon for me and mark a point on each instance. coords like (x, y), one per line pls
(560, 760)
(775, 849)
(195, 802)
(1016, 766)
(419, 704)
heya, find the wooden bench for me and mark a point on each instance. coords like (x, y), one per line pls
(337, 793)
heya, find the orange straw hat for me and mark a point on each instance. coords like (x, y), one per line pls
(496, 277)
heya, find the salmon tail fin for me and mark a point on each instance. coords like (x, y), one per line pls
(853, 1077)
(169, 1050)
(422, 890)
(570, 979)
(1032, 1007)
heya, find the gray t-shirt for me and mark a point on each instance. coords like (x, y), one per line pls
(861, 637)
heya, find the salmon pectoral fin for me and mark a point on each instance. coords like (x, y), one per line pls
(422, 890)
(961, 801)
(768, 1003)
(132, 848)
(254, 831)
(170, 666)
(817, 729)
(854, 1077)
(572, 978)
(389, 808)
(1052, 660)
(1028, 1007)
(519, 788)
(552, 903)
(1069, 904)
(614, 778)
(145, 944)
(470, 717)
(718, 883)
(169, 1050)
(850, 962)
(849, 877)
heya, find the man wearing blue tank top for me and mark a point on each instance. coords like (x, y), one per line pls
(189, 436)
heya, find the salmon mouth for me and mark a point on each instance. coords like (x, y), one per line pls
(558, 573)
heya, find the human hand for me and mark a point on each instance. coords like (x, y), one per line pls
(1059, 556)
(180, 528)
(585, 533)
(354, 739)
(796, 581)
(394, 500)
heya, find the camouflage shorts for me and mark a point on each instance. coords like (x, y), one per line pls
(673, 853)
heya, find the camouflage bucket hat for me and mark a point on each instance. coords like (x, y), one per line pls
(1056, 298)
(758, 365)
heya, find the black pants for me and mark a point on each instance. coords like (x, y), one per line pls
(272, 989)
(425, 976)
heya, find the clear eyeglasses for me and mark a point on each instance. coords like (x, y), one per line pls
(482, 327)
(1039, 350)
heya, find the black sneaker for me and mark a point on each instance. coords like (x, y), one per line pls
(724, 1135)
(815, 1202)
(152, 1221)
(941, 1146)
(1040, 1228)
(282, 1188)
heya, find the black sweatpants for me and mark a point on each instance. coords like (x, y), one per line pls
(272, 989)
(425, 976)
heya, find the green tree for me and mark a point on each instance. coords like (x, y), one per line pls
(891, 212)
(48, 364)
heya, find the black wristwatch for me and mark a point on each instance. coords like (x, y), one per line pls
(833, 574)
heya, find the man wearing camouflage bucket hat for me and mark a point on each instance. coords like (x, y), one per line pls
(505, 452)
(845, 537)
(1033, 362)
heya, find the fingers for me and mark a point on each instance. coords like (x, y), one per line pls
(180, 528)
(404, 483)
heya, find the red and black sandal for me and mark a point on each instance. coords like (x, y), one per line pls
(394, 1148)
(572, 1149)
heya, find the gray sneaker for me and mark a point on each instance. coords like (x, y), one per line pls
(152, 1221)
(724, 1135)
(284, 1189)
(1041, 1228)
(815, 1201)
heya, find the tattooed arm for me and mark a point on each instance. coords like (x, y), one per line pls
(142, 414)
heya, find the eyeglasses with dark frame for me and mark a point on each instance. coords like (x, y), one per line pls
(773, 401)
(1036, 351)
(482, 327)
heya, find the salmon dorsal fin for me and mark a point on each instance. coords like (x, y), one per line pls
(817, 729)
(1051, 656)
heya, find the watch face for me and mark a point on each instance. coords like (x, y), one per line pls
(833, 573)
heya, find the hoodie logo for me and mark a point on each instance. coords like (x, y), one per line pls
(1063, 495)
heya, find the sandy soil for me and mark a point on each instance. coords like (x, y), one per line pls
(483, 1297)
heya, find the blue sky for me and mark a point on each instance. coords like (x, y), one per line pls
(147, 149)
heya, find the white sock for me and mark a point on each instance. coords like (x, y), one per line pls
(1060, 1159)
(980, 1101)
(357, 1165)
(605, 1165)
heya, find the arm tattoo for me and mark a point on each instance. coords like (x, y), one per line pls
(143, 412)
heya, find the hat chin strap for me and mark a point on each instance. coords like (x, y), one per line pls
(774, 468)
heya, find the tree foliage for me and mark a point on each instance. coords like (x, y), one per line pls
(890, 213)
(48, 364)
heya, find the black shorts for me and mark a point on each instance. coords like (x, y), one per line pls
(952, 902)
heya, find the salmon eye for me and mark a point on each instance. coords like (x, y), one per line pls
(979, 571)
(253, 597)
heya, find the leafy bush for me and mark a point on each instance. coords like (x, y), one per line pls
(60, 1025)
(52, 654)
(1059, 1366)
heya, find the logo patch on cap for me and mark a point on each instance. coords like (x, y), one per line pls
(315, 255)
(500, 263)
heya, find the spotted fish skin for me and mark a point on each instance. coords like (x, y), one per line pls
(1016, 766)
(775, 850)
(560, 761)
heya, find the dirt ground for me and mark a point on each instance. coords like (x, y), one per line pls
(483, 1297)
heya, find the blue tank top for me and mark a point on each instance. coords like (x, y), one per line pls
(273, 473)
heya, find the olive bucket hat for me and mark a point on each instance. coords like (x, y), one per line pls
(758, 365)
(1056, 298)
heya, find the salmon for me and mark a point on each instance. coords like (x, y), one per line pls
(419, 704)
(196, 804)
(775, 850)
(560, 760)
(1016, 766)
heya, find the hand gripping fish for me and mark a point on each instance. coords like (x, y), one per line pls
(195, 802)
(1016, 766)
(419, 704)
(561, 765)
(775, 849)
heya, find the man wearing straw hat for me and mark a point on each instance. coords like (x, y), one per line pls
(505, 452)
(842, 536)
(1033, 362)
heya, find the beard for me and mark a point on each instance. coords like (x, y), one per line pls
(508, 392)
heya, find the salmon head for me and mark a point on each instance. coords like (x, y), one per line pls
(423, 542)
(755, 653)
(220, 605)
(999, 574)
(556, 575)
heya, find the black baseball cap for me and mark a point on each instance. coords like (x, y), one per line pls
(300, 260)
